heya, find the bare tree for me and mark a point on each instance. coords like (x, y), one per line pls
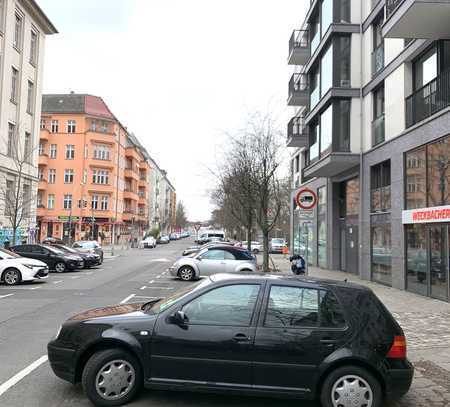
(16, 190)
(180, 216)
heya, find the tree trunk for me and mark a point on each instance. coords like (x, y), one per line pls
(249, 232)
(14, 229)
(265, 250)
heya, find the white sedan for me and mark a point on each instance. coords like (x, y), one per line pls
(15, 269)
(148, 242)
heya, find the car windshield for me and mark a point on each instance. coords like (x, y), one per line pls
(279, 241)
(165, 303)
(67, 249)
(6, 254)
(54, 250)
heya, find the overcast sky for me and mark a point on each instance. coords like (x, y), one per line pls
(177, 73)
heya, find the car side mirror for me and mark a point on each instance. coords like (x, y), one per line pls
(179, 318)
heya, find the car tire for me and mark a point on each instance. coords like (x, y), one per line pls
(186, 273)
(369, 388)
(132, 378)
(60, 267)
(11, 276)
(255, 251)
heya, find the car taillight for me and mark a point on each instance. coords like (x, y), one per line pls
(398, 348)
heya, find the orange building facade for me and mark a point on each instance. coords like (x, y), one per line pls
(93, 180)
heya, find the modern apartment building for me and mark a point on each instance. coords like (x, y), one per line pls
(370, 128)
(23, 29)
(93, 174)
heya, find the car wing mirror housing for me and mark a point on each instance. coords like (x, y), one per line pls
(179, 318)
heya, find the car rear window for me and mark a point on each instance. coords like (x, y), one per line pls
(242, 254)
(303, 307)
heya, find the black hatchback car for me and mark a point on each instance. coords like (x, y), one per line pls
(89, 259)
(250, 334)
(54, 258)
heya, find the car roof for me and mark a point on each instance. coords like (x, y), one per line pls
(261, 277)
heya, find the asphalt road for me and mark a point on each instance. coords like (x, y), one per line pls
(31, 313)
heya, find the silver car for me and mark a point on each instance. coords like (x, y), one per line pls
(212, 260)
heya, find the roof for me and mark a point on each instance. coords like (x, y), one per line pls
(76, 103)
(286, 278)
(39, 16)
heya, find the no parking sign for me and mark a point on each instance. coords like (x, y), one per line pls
(306, 199)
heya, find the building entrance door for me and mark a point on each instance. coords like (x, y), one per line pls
(438, 254)
(352, 251)
(343, 248)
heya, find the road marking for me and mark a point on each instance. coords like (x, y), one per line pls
(145, 296)
(89, 273)
(158, 276)
(151, 281)
(75, 277)
(35, 288)
(143, 287)
(23, 373)
(57, 282)
(160, 260)
(7, 295)
(161, 288)
(127, 299)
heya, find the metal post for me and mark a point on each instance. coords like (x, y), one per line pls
(113, 237)
(306, 226)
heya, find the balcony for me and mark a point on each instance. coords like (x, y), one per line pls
(428, 100)
(299, 51)
(298, 90)
(297, 132)
(44, 135)
(332, 164)
(378, 59)
(129, 214)
(378, 130)
(131, 152)
(42, 184)
(425, 19)
(43, 159)
(130, 194)
(130, 173)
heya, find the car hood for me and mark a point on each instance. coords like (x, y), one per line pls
(115, 312)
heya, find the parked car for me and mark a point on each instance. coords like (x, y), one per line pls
(195, 249)
(148, 242)
(266, 334)
(164, 239)
(89, 246)
(173, 236)
(256, 246)
(55, 258)
(15, 269)
(89, 259)
(212, 260)
(52, 240)
(276, 245)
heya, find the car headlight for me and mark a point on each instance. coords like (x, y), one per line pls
(58, 332)
(30, 266)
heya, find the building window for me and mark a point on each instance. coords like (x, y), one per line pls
(378, 116)
(2, 11)
(380, 187)
(378, 46)
(51, 201)
(341, 125)
(11, 139)
(381, 252)
(70, 152)
(100, 177)
(416, 179)
(326, 71)
(101, 152)
(55, 126)
(71, 126)
(85, 175)
(40, 174)
(53, 150)
(26, 201)
(94, 125)
(352, 197)
(104, 203)
(326, 130)
(27, 150)
(67, 201)
(104, 127)
(9, 197)
(94, 202)
(33, 47)
(51, 175)
(17, 40)
(41, 149)
(43, 124)
(14, 84)
(39, 200)
(322, 227)
(68, 176)
(416, 259)
(438, 172)
(30, 97)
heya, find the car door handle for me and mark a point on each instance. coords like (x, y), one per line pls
(328, 342)
(241, 338)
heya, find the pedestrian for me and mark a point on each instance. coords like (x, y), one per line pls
(285, 251)
(298, 264)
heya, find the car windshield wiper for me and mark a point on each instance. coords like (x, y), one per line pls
(148, 304)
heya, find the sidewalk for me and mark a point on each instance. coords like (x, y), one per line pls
(426, 323)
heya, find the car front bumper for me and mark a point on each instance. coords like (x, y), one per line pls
(62, 361)
(41, 273)
(75, 264)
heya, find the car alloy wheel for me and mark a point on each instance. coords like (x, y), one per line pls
(12, 277)
(115, 380)
(351, 390)
(186, 273)
(60, 267)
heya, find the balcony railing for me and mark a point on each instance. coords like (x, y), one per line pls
(298, 89)
(391, 5)
(299, 41)
(297, 127)
(378, 59)
(378, 130)
(429, 99)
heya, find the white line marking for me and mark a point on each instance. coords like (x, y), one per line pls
(127, 299)
(161, 288)
(143, 287)
(144, 296)
(160, 260)
(75, 277)
(151, 281)
(35, 288)
(158, 276)
(57, 282)
(89, 273)
(7, 295)
(24, 372)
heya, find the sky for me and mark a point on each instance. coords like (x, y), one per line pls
(179, 74)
